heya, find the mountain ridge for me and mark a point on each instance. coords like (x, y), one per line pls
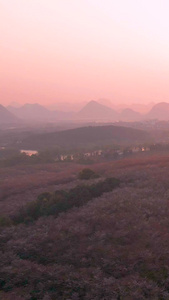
(92, 111)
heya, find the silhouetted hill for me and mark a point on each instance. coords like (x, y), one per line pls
(129, 115)
(96, 111)
(6, 117)
(159, 111)
(85, 137)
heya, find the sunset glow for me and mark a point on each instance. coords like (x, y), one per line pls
(71, 50)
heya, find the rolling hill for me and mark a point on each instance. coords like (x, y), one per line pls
(85, 137)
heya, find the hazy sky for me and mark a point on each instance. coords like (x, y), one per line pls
(78, 50)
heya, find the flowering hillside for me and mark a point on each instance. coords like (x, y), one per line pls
(115, 246)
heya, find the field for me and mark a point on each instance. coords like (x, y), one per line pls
(113, 247)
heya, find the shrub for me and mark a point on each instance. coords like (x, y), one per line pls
(87, 174)
(4, 221)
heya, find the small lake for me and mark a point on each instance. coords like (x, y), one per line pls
(29, 152)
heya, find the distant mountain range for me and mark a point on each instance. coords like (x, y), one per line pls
(77, 106)
(92, 111)
(30, 112)
(99, 112)
(38, 113)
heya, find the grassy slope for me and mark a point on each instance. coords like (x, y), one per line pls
(115, 247)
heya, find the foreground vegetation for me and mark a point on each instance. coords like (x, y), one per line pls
(114, 246)
(61, 201)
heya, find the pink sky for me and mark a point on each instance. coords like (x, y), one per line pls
(79, 50)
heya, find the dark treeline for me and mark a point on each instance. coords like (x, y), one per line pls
(54, 203)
